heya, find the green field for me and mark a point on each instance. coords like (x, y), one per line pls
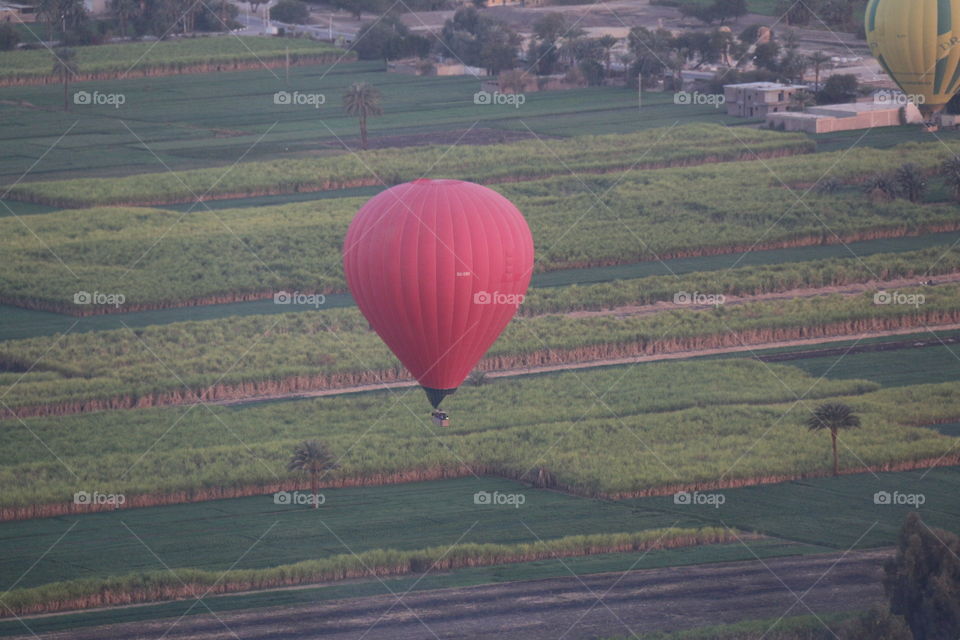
(518, 161)
(541, 569)
(170, 56)
(838, 514)
(25, 323)
(307, 351)
(204, 120)
(641, 215)
(626, 442)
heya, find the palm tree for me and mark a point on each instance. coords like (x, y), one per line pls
(125, 11)
(314, 458)
(362, 100)
(818, 59)
(65, 66)
(951, 171)
(833, 416)
(911, 181)
(606, 44)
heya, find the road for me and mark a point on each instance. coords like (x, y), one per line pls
(563, 608)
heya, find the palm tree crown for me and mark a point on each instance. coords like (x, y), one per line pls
(833, 416)
(362, 100)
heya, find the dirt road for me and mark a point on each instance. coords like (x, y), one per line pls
(568, 608)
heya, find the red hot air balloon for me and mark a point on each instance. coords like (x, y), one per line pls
(438, 268)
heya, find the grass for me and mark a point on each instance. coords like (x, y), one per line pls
(164, 56)
(691, 424)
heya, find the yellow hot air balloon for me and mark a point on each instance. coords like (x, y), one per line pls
(917, 42)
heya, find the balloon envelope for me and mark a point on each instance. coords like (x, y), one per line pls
(917, 42)
(438, 268)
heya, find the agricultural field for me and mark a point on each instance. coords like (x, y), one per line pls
(252, 356)
(694, 144)
(560, 430)
(607, 401)
(168, 57)
(215, 120)
(682, 212)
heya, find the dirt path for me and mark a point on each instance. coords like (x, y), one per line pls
(635, 602)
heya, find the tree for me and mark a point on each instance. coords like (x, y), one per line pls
(60, 14)
(125, 12)
(314, 458)
(389, 39)
(881, 187)
(951, 173)
(9, 37)
(479, 40)
(362, 100)
(553, 26)
(606, 44)
(923, 580)
(65, 67)
(877, 623)
(290, 12)
(833, 416)
(767, 56)
(911, 182)
(817, 59)
(839, 88)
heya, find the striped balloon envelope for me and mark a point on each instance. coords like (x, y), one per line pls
(917, 42)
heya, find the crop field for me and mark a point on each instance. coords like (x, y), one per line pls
(558, 427)
(543, 569)
(207, 538)
(262, 355)
(599, 287)
(204, 120)
(721, 208)
(172, 56)
(693, 144)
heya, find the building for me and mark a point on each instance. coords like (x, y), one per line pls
(757, 99)
(96, 7)
(16, 12)
(845, 117)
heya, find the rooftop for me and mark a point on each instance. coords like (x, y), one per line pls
(765, 86)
